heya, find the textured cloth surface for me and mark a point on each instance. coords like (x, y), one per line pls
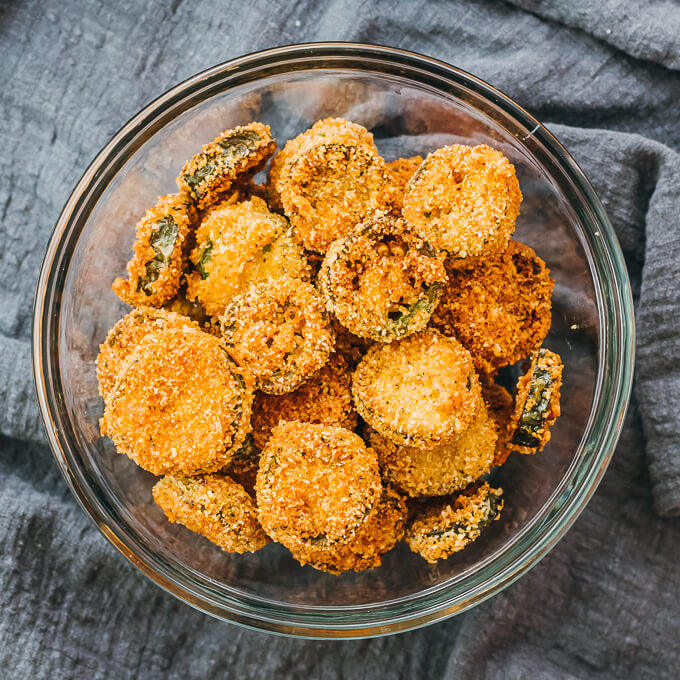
(605, 77)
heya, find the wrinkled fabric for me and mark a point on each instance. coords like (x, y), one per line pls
(605, 603)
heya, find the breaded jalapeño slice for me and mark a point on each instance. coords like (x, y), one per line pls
(382, 281)
(230, 157)
(317, 485)
(237, 245)
(444, 526)
(155, 271)
(181, 404)
(214, 506)
(418, 391)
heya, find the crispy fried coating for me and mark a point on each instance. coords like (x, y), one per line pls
(499, 308)
(381, 532)
(402, 170)
(242, 468)
(317, 485)
(351, 347)
(322, 132)
(442, 469)
(214, 506)
(237, 245)
(181, 404)
(537, 402)
(233, 156)
(382, 281)
(280, 331)
(156, 268)
(331, 188)
(500, 405)
(445, 526)
(464, 200)
(324, 398)
(419, 391)
(128, 334)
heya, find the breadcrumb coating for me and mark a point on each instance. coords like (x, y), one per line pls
(181, 404)
(537, 402)
(232, 156)
(442, 469)
(331, 188)
(317, 486)
(237, 245)
(499, 308)
(402, 170)
(464, 200)
(156, 268)
(324, 398)
(322, 132)
(280, 331)
(126, 336)
(419, 391)
(381, 532)
(351, 347)
(445, 526)
(213, 506)
(382, 281)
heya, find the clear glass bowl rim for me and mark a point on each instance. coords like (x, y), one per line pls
(616, 359)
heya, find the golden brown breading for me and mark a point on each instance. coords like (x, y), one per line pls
(381, 532)
(419, 391)
(382, 281)
(214, 506)
(443, 469)
(155, 271)
(330, 188)
(464, 200)
(322, 132)
(181, 404)
(128, 334)
(237, 245)
(324, 398)
(498, 308)
(402, 170)
(446, 525)
(232, 156)
(280, 331)
(537, 402)
(316, 487)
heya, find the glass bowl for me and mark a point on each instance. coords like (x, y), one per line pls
(412, 104)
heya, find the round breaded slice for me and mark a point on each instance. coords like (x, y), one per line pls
(381, 532)
(418, 391)
(317, 485)
(230, 157)
(280, 331)
(537, 402)
(155, 271)
(214, 506)
(382, 281)
(443, 526)
(442, 469)
(181, 404)
(330, 188)
(402, 170)
(464, 200)
(238, 245)
(501, 405)
(325, 398)
(322, 132)
(128, 334)
(499, 308)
